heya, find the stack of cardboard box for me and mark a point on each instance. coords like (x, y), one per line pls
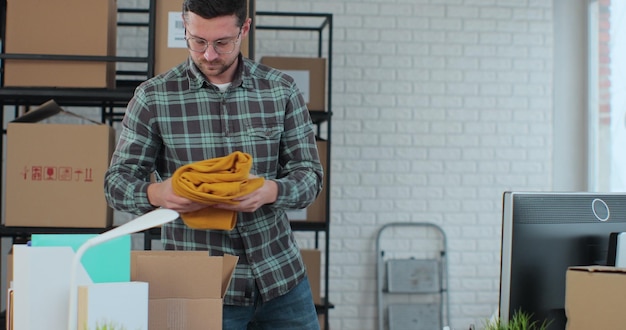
(62, 27)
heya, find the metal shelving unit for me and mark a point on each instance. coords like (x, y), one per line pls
(103, 100)
(320, 24)
(109, 101)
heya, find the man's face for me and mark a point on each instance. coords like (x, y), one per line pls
(222, 38)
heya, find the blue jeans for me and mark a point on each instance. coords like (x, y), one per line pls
(294, 310)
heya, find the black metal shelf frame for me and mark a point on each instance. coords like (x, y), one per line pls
(110, 99)
(103, 98)
(319, 118)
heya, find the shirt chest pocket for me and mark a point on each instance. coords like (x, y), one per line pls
(261, 134)
(263, 143)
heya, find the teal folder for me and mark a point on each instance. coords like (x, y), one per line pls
(106, 262)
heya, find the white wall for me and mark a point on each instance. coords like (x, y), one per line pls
(570, 97)
(438, 107)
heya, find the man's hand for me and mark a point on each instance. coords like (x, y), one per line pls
(161, 194)
(251, 202)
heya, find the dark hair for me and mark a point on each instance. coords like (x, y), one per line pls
(216, 8)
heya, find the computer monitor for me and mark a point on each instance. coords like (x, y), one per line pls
(543, 233)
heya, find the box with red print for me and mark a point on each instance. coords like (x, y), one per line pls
(55, 172)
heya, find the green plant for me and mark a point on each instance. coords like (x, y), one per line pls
(108, 326)
(520, 321)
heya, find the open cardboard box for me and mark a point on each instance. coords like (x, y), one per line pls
(186, 288)
(55, 172)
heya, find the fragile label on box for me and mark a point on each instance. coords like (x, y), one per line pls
(38, 173)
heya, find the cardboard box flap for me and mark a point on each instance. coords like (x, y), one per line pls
(183, 274)
(45, 111)
(598, 269)
(230, 262)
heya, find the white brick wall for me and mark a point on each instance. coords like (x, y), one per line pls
(439, 107)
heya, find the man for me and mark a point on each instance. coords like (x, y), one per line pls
(216, 103)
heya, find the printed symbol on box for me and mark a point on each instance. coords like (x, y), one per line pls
(50, 173)
(24, 173)
(37, 173)
(79, 174)
(65, 173)
(88, 175)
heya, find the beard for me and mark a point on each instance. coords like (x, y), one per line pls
(214, 68)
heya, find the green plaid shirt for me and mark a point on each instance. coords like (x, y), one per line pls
(178, 118)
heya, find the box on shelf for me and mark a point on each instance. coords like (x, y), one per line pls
(594, 297)
(186, 288)
(321, 318)
(316, 212)
(309, 74)
(55, 172)
(312, 259)
(63, 27)
(170, 46)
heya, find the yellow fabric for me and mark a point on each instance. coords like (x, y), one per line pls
(215, 181)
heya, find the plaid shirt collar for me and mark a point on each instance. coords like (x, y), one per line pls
(197, 79)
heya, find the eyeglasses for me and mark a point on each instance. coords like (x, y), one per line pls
(222, 46)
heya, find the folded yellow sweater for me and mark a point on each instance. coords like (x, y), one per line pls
(215, 181)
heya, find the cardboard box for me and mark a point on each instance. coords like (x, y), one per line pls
(186, 288)
(595, 297)
(55, 172)
(312, 259)
(316, 212)
(309, 74)
(62, 27)
(169, 43)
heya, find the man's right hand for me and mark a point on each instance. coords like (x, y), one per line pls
(161, 194)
